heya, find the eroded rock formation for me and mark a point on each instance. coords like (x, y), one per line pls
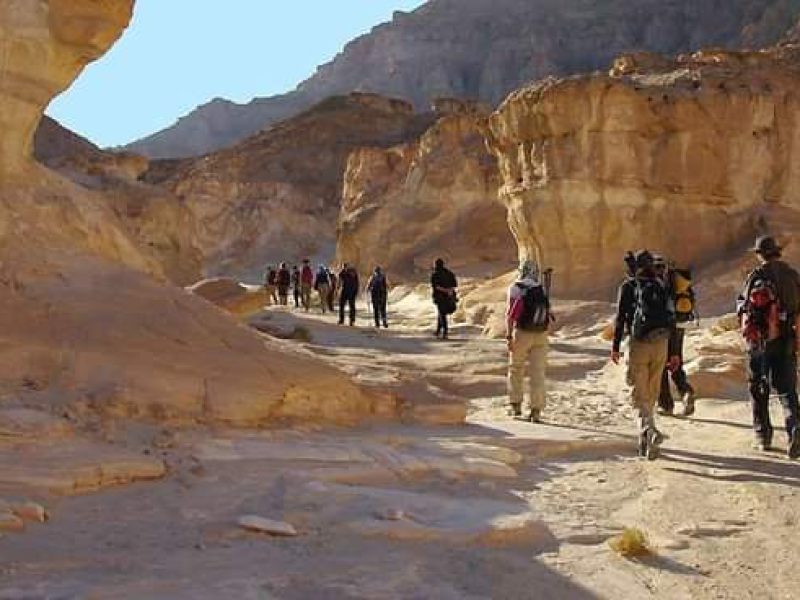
(436, 196)
(484, 49)
(691, 156)
(88, 327)
(277, 195)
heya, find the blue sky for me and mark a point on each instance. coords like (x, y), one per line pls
(178, 54)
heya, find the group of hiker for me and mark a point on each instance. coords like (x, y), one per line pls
(331, 288)
(656, 304)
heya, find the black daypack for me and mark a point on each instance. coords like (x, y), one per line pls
(378, 286)
(654, 312)
(536, 309)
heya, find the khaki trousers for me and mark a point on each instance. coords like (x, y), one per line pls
(271, 293)
(529, 350)
(646, 362)
(305, 295)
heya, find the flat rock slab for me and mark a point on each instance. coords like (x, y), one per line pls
(547, 441)
(268, 526)
(73, 467)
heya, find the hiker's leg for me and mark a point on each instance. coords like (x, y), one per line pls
(342, 302)
(384, 317)
(759, 394)
(638, 378)
(537, 369)
(657, 352)
(665, 401)
(376, 309)
(351, 301)
(517, 361)
(784, 380)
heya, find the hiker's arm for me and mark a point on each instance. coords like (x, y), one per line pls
(512, 316)
(624, 304)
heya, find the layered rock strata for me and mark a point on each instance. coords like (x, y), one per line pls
(691, 157)
(277, 195)
(435, 196)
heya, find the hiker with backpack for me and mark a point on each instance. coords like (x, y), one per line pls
(284, 281)
(769, 312)
(645, 312)
(322, 284)
(528, 319)
(296, 285)
(444, 287)
(306, 284)
(679, 285)
(271, 285)
(348, 292)
(378, 290)
(334, 287)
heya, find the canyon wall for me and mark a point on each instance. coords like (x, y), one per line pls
(276, 196)
(483, 50)
(690, 157)
(90, 328)
(435, 196)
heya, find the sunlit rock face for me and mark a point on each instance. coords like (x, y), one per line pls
(690, 157)
(276, 196)
(435, 196)
(89, 325)
(45, 44)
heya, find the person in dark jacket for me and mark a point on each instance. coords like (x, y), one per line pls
(296, 285)
(284, 281)
(271, 285)
(666, 404)
(773, 360)
(348, 292)
(644, 311)
(444, 287)
(378, 290)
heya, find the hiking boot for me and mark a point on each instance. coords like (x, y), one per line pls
(762, 444)
(514, 410)
(688, 404)
(793, 451)
(654, 441)
(666, 412)
(535, 416)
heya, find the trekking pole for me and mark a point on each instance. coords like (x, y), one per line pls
(548, 280)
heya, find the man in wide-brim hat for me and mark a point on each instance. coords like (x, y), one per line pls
(772, 337)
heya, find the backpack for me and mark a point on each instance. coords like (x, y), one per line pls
(683, 296)
(654, 313)
(536, 309)
(322, 278)
(378, 286)
(760, 312)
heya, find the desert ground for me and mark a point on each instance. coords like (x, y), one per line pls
(493, 508)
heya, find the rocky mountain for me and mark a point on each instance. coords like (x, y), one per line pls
(276, 196)
(484, 49)
(434, 196)
(693, 157)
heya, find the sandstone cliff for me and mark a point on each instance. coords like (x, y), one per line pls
(691, 157)
(484, 49)
(87, 326)
(436, 196)
(277, 195)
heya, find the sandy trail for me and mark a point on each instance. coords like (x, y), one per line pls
(491, 509)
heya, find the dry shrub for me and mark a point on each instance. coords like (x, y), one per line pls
(631, 543)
